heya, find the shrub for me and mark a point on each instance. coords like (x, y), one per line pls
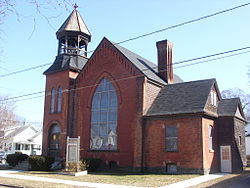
(42, 163)
(72, 167)
(14, 159)
(92, 164)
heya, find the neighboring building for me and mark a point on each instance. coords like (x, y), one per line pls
(24, 139)
(248, 145)
(133, 116)
(248, 140)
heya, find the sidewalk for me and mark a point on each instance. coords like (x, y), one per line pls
(182, 184)
(194, 181)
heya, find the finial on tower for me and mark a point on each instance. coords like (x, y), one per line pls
(75, 6)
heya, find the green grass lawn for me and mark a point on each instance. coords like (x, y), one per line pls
(118, 177)
(33, 184)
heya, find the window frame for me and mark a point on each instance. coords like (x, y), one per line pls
(104, 115)
(240, 140)
(173, 138)
(53, 100)
(59, 99)
(171, 168)
(210, 138)
(213, 97)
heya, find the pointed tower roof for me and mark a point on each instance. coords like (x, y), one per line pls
(74, 23)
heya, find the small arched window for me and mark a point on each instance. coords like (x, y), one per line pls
(52, 101)
(54, 141)
(59, 99)
(104, 117)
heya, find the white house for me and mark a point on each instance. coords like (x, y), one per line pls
(24, 139)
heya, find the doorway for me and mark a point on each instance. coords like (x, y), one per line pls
(226, 159)
(54, 141)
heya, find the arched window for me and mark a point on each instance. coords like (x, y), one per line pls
(52, 101)
(54, 141)
(59, 99)
(104, 117)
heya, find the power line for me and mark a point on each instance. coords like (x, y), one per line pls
(141, 36)
(212, 55)
(22, 96)
(24, 70)
(212, 59)
(152, 68)
(207, 56)
(183, 23)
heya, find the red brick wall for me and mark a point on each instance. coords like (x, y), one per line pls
(210, 157)
(189, 155)
(128, 82)
(56, 80)
(150, 93)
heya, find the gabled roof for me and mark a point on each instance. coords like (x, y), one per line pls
(74, 23)
(182, 98)
(67, 62)
(19, 130)
(36, 135)
(228, 107)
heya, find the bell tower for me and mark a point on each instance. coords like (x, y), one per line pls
(73, 38)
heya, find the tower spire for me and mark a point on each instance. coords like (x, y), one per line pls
(73, 35)
(75, 6)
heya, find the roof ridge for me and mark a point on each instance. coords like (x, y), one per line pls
(194, 81)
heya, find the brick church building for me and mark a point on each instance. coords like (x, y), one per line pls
(134, 115)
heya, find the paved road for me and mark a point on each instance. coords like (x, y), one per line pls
(244, 183)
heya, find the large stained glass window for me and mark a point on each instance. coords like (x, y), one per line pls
(104, 117)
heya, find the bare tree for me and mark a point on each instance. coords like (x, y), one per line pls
(40, 7)
(8, 116)
(244, 97)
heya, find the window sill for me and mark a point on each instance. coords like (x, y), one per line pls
(103, 150)
(172, 151)
(55, 112)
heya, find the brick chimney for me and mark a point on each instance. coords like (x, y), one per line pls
(165, 60)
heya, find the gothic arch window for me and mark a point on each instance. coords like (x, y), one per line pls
(52, 101)
(54, 141)
(59, 99)
(104, 117)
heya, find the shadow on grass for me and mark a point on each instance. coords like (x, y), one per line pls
(126, 173)
(107, 173)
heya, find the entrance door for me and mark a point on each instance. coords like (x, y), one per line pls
(54, 141)
(225, 159)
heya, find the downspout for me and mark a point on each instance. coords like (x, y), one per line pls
(202, 143)
(142, 145)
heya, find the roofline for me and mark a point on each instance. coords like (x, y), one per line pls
(234, 117)
(173, 115)
(105, 39)
(155, 82)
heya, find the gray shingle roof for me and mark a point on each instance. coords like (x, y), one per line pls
(145, 66)
(228, 107)
(64, 62)
(181, 98)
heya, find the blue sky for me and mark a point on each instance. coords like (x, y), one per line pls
(120, 20)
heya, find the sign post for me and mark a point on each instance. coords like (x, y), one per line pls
(73, 152)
